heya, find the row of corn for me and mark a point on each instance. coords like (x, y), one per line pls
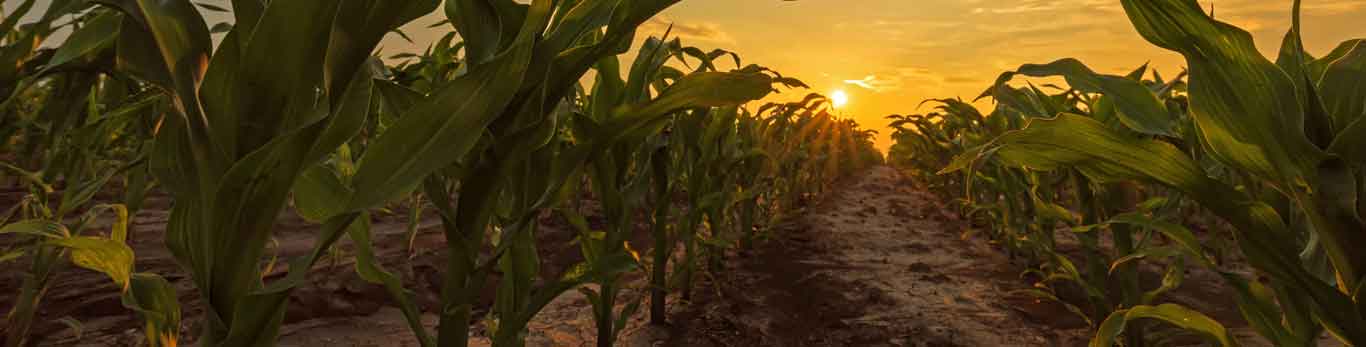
(1238, 155)
(285, 108)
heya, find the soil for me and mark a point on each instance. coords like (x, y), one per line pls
(877, 262)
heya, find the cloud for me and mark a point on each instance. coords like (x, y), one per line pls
(1282, 9)
(1035, 6)
(961, 79)
(1024, 7)
(896, 79)
(688, 31)
(876, 84)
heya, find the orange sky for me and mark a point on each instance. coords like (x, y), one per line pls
(891, 54)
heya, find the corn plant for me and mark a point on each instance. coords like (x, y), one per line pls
(619, 176)
(1025, 208)
(81, 161)
(1281, 129)
(291, 106)
(523, 122)
(79, 124)
(247, 119)
(51, 243)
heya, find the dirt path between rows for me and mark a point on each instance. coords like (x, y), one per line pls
(876, 263)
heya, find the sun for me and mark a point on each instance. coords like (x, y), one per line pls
(839, 98)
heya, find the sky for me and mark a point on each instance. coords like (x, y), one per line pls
(889, 55)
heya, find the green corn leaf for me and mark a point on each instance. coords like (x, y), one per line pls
(1177, 233)
(278, 88)
(1100, 153)
(348, 117)
(181, 39)
(359, 26)
(1146, 253)
(610, 265)
(137, 53)
(1104, 156)
(74, 197)
(155, 300)
(1176, 274)
(36, 227)
(1177, 315)
(446, 125)
(168, 43)
(221, 93)
(653, 54)
(78, 329)
(98, 33)
(1318, 67)
(706, 89)
(578, 22)
(1295, 61)
(246, 203)
(397, 99)
(1068, 270)
(34, 178)
(257, 314)
(625, 316)
(118, 230)
(317, 192)
(486, 26)
(1244, 105)
(369, 269)
(608, 89)
(1343, 90)
(11, 255)
(520, 266)
(1043, 295)
(1139, 109)
(1258, 306)
(246, 14)
(17, 13)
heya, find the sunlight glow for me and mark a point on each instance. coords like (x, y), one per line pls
(839, 98)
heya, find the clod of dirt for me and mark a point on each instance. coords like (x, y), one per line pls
(921, 268)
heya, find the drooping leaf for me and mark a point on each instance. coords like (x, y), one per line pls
(1177, 315)
(36, 227)
(1138, 107)
(369, 269)
(113, 258)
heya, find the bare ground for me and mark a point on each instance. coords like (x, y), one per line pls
(876, 263)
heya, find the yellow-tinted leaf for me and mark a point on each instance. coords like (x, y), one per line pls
(110, 257)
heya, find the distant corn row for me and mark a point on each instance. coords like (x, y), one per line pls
(290, 108)
(1272, 149)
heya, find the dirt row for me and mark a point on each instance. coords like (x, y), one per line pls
(876, 263)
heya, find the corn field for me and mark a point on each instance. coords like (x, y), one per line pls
(553, 150)
(288, 109)
(1237, 158)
